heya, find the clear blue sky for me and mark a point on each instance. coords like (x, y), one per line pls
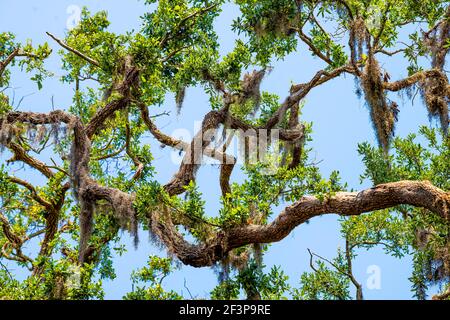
(340, 120)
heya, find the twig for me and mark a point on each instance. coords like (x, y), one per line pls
(185, 285)
(6, 270)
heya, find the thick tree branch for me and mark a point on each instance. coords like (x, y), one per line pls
(415, 193)
(194, 154)
(227, 162)
(300, 91)
(130, 78)
(19, 154)
(415, 78)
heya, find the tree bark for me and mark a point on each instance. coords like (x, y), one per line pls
(416, 193)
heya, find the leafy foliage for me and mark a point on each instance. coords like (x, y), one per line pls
(154, 274)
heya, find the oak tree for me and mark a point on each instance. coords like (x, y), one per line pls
(120, 80)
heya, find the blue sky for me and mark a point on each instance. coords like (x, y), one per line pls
(341, 121)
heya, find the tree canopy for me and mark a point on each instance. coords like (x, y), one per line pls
(120, 80)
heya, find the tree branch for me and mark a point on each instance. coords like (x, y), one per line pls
(123, 88)
(348, 257)
(227, 162)
(442, 296)
(8, 231)
(415, 78)
(139, 165)
(47, 205)
(74, 51)
(312, 47)
(19, 154)
(415, 193)
(4, 64)
(15, 53)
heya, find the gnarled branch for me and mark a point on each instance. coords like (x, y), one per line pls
(415, 193)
